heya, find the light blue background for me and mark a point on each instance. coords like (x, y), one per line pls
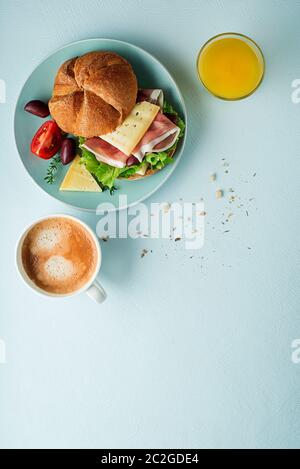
(185, 352)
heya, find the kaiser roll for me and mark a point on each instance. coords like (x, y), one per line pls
(93, 94)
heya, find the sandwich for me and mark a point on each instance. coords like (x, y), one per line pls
(123, 132)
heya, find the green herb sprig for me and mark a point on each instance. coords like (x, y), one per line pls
(52, 169)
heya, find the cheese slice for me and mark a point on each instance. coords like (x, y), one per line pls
(78, 178)
(134, 127)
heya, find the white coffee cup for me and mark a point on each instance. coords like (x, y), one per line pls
(93, 287)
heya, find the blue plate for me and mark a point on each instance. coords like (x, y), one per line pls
(150, 74)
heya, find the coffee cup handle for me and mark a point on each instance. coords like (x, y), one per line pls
(96, 292)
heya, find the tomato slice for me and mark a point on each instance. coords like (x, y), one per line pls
(47, 141)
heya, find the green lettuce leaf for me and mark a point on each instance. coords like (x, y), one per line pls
(103, 173)
(168, 109)
(159, 160)
(130, 170)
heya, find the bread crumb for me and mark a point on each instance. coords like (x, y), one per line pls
(167, 207)
(144, 252)
(213, 177)
(219, 194)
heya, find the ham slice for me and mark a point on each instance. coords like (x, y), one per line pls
(105, 152)
(152, 96)
(160, 136)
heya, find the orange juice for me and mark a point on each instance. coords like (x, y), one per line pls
(230, 66)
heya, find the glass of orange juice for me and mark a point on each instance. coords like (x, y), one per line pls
(231, 66)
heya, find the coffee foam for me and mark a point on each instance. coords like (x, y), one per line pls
(46, 240)
(59, 268)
